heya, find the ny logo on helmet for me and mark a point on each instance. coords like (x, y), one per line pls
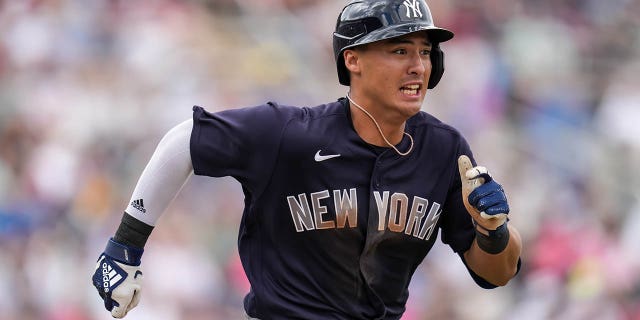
(413, 6)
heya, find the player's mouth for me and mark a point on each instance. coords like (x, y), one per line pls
(411, 89)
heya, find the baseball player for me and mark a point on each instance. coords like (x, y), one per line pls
(343, 200)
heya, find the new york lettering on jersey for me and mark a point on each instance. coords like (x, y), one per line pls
(396, 212)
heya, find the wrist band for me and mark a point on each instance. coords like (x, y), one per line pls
(122, 253)
(496, 241)
(132, 232)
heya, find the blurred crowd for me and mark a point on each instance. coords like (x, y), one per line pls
(546, 91)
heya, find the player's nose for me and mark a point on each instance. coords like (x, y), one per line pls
(418, 64)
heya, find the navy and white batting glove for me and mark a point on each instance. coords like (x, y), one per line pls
(482, 195)
(118, 278)
(489, 197)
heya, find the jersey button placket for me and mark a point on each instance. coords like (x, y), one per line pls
(377, 175)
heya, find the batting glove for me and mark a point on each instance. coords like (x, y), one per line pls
(483, 197)
(118, 278)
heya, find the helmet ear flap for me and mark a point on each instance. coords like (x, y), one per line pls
(437, 66)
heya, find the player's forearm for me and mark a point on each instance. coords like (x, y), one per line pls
(161, 180)
(499, 268)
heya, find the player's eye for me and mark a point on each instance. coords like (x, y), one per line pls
(400, 51)
(425, 52)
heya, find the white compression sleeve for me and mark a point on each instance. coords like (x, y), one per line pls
(164, 176)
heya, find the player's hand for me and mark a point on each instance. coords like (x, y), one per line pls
(118, 278)
(483, 197)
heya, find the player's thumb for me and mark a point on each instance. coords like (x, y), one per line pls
(127, 298)
(121, 310)
(464, 165)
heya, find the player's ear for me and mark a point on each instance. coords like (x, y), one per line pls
(351, 59)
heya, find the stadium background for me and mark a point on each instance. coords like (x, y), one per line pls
(546, 91)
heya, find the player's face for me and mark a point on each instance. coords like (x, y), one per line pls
(392, 75)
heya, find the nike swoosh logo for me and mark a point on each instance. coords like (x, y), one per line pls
(318, 157)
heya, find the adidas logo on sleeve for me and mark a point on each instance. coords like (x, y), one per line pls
(139, 204)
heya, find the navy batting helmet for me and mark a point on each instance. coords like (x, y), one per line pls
(366, 21)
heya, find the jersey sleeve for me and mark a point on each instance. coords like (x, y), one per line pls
(241, 143)
(457, 227)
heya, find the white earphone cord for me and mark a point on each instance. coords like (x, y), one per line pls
(380, 130)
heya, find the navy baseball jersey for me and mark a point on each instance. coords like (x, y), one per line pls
(333, 227)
